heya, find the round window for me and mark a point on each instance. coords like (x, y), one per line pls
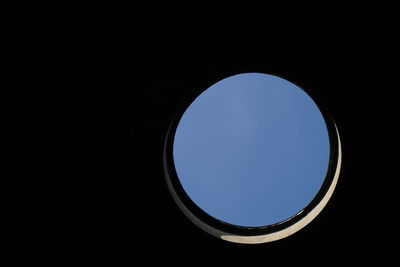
(252, 159)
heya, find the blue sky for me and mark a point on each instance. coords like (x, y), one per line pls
(252, 150)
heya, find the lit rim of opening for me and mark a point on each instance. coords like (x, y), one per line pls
(245, 234)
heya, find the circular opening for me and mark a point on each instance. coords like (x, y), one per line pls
(251, 157)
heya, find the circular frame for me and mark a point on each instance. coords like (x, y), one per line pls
(247, 234)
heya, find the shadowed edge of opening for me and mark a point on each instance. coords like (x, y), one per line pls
(252, 235)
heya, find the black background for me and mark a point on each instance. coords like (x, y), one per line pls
(90, 92)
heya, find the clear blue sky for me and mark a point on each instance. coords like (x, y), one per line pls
(252, 150)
